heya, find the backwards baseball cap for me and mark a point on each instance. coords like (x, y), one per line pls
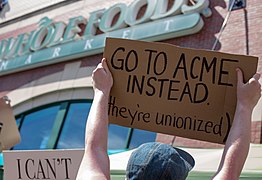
(159, 161)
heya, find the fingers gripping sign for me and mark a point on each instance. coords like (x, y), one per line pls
(102, 78)
(248, 93)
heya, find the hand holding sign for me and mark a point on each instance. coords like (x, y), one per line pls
(178, 91)
(248, 93)
(102, 78)
(9, 134)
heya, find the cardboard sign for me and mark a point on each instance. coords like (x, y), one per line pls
(184, 92)
(42, 164)
(9, 134)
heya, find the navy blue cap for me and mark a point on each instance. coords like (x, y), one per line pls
(156, 161)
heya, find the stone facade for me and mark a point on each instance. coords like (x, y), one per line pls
(242, 35)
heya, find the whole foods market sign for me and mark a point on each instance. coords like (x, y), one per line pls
(53, 41)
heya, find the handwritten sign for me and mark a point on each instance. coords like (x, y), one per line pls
(9, 134)
(184, 92)
(42, 164)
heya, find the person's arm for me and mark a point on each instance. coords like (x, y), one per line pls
(95, 162)
(238, 141)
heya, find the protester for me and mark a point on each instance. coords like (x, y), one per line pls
(161, 161)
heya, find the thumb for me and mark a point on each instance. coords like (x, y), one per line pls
(104, 64)
(257, 76)
(239, 76)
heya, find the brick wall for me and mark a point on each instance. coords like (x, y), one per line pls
(242, 35)
(16, 8)
(13, 81)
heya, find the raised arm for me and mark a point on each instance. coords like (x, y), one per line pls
(238, 141)
(95, 162)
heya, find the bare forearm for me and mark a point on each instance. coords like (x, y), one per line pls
(238, 141)
(97, 123)
(95, 162)
(237, 144)
(240, 136)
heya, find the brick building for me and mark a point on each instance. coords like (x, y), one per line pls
(41, 73)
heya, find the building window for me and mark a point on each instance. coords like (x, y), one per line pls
(117, 137)
(62, 126)
(36, 127)
(73, 131)
(139, 137)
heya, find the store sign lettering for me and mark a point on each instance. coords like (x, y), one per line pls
(42, 164)
(56, 41)
(43, 168)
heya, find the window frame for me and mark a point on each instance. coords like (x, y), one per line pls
(58, 122)
(60, 119)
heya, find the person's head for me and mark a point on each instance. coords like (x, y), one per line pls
(156, 161)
